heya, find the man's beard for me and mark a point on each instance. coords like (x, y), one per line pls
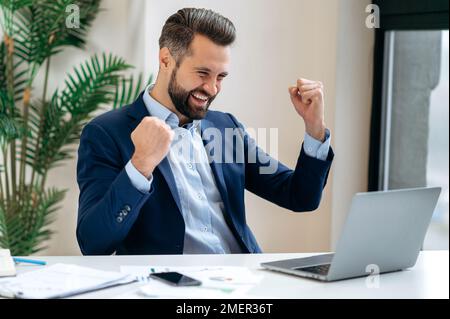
(180, 98)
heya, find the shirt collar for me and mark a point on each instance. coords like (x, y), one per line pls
(158, 110)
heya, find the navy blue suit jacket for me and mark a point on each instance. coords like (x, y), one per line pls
(113, 216)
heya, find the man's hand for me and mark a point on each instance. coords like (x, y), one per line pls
(151, 139)
(308, 101)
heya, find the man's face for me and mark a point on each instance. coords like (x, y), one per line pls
(197, 81)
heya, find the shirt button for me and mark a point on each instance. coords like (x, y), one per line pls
(205, 229)
(199, 196)
(119, 219)
(189, 165)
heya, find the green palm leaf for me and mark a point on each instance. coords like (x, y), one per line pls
(41, 29)
(127, 90)
(4, 238)
(8, 9)
(23, 232)
(20, 75)
(2, 66)
(91, 85)
(10, 124)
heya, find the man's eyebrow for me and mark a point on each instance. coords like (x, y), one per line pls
(208, 70)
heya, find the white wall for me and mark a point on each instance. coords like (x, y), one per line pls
(277, 42)
(352, 109)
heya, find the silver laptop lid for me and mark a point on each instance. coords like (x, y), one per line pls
(384, 231)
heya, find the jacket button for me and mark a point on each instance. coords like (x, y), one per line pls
(123, 212)
(119, 219)
(127, 208)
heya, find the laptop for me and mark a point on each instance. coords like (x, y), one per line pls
(384, 232)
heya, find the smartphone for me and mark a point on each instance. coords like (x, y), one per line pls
(176, 279)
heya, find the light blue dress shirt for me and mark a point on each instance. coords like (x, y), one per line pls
(206, 230)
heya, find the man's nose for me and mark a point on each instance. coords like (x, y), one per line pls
(210, 88)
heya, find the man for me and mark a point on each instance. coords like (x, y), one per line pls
(139, 194)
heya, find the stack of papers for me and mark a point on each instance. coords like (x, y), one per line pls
(217, 282)
(60, 280)
(7, 267)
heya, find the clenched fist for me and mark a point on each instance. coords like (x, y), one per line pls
(307, 98)
(151, 139)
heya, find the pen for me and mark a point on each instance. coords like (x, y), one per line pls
(29, 261)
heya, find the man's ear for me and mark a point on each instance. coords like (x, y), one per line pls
(165, 58)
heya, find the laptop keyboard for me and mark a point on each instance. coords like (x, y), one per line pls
(319, 269)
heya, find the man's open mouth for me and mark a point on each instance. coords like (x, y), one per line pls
(199, 99)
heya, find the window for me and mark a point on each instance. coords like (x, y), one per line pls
(438, 153)
(414, 135)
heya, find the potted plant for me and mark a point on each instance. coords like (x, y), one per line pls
(37, 129)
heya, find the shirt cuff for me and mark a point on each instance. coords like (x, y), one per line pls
(315, 148)
(139, 181)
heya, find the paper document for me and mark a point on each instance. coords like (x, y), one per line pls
(7, 267)
(60, 280)
(217, 282)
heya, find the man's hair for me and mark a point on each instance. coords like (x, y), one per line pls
(181, 27)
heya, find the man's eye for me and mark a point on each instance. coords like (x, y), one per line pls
(202, 74)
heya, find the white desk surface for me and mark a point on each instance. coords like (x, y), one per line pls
(429, 278)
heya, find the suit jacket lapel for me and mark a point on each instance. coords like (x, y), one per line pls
(217, 168)
(166, 171)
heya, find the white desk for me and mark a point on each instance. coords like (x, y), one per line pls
(429, 278)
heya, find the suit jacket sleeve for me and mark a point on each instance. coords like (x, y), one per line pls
(109, 204)
(298, 190)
